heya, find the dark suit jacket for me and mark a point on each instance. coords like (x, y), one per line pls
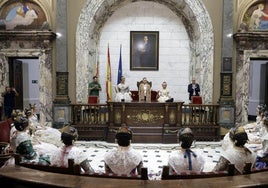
(191, 90)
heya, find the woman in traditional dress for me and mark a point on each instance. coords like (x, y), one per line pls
(185, 160)
(123, 92)
(69, 151)
(236, 153)
(123, 159)
(163, 94)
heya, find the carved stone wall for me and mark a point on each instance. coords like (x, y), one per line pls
(249, 45)
(17, 44)
(196, 21)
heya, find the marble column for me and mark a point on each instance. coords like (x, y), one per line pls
(61, 107)
(226, 100)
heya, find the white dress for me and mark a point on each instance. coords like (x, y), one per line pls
(122, 160)
(163, 95)
(239, 156)
(179, 163)
(60, 157)
(123, 93)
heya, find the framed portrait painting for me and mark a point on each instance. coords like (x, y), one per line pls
(144, 49)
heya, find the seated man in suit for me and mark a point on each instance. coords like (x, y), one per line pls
(144, 91)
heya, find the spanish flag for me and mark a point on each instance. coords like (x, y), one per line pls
(108, 77)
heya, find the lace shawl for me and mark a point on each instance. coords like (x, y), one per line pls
(122, 160)
(180, 163)
(239, 156)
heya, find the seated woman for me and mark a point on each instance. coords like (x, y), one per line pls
(123, 92)
(163, 94)
(185, 159)
(255, 131)
(236, 153)
(69, 151)
(42, 134)
(21, 143)
(123, 159)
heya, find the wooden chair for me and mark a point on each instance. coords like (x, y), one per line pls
(196, 100)
(91, 112)
(72, 168)
(143, 176)
(190, 175)
(139, 82)
(5, 127)
(93, 100)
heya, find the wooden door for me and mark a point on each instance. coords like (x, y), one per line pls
(266, 84)
(16, 80)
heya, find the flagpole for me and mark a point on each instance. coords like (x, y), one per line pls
(108, 77)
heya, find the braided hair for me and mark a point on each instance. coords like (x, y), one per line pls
(185, 137)
(21, 123)
(69, 135)
(123, 136)
(239, 136)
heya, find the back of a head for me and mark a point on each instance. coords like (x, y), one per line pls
(185, 137)
(69, 135)
(123, 136)
(238, 135)
(20, 123)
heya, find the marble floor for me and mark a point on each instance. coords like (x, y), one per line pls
(154, 155)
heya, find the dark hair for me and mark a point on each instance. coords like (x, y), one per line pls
(123, 139)
(123, 136)
(238, 136)
(68, 136)
(21, 123)
(27, 112)
(186, 137)
(94, 77)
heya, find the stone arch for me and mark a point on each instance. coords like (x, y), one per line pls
(194, 16)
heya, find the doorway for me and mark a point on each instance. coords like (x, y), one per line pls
(24, 75)
(258, 86)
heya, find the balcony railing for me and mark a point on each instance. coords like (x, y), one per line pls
(92, 120)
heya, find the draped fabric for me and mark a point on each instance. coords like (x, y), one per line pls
(122, 160)
(239, 156)
(185, 161)
(61, 157)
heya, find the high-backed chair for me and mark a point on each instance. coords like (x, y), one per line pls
(197, 100)
(139, 82)
(93, 99)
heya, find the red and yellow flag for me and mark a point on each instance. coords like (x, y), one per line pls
(108, 77)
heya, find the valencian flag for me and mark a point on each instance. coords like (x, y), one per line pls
(119, 74)
(108, 77)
